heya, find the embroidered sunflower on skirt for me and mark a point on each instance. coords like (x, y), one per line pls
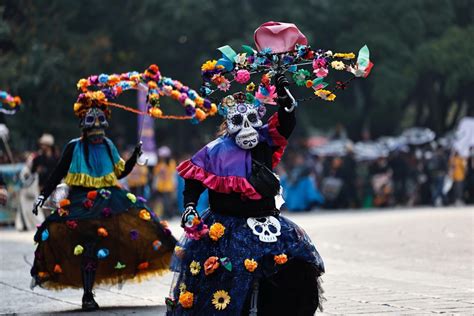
(195, 267)
(221, 299)
(216, 231)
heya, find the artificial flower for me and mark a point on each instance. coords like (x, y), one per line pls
(105, 193)
(221, 299)
(43, 275)
(133, 234)
(242, 76)
(195, 267)
(132, 197)
(216, 231)
(71, 224)
(338, 65)
(325, 94)
(63, 212)
(266, 94)
(265, 79)
(57, 269)
(78, 250)
(156, 245)
(280, 259)
(119, 266)
(301, 76)
(250, 265)
(309, 83)
(344, 55)
(179, 251)
(103, 253)
(145, 215)
(91, 195)
(209, 65)
(186, 299)
(224, 85)
(44, 235)
(88, 203)
(241, 59)
(64, 203)
(228, 101)
(211, 265)
(155, 112)
(143, 265)
(102, 232)
(250, 87)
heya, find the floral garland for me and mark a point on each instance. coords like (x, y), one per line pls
(110, 87)
(238, 67)
(8, 103)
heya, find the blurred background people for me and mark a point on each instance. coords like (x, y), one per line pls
(164, 183)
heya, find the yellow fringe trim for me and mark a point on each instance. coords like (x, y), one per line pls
(85, 180)
(119, 167)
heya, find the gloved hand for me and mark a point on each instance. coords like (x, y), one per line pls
(188, 215)
(137, 152)
(281, 82)
(38, 203)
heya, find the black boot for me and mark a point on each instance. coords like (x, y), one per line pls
(88, 276)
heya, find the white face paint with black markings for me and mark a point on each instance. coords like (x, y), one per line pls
(242, 121)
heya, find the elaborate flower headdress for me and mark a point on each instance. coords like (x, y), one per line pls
(110, 87)
(8, 103)
(281, 48)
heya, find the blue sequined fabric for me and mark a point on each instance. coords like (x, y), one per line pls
(237, 244)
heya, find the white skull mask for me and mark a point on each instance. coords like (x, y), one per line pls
(242, 120)
(266, 228)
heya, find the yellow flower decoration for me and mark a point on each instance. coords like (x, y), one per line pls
(280, 259)
(338, 65)
(179, 252)
(209, 65)
(182, 288)
(345, 55)
(195, 267)
(78, 250)
(216, 231)
(145, 215)
(325, 95)
(186, 299)
(250, 265)
(131, 197)
(251, 87)
(221, 299)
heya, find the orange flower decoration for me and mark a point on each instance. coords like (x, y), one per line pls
(143, 265)
(145, 215)
(102, 232)
(43, 275)
(280, 259)
(250, 265)
(58, 269)
(186, 299)
(91, 195)
(64, 203)
(216, 231)
(211, 265)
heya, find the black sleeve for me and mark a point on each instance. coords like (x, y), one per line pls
(59, 171)
(287, 120)
(192, 191)
(129, 164)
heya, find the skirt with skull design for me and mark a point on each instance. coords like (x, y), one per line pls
(215, 274)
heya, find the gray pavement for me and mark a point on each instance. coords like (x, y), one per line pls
(400, 262)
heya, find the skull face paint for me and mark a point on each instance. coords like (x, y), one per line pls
(94, 124)
(242, 121)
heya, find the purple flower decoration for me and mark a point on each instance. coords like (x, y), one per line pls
(106, 212)
(105, 194)
(134, 234)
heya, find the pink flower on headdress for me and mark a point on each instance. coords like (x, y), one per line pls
(242, 76)
(320, 67)
(266, 94)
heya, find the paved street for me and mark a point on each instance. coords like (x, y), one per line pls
(417, 261)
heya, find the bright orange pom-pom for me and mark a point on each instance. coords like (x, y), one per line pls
(200, 115)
